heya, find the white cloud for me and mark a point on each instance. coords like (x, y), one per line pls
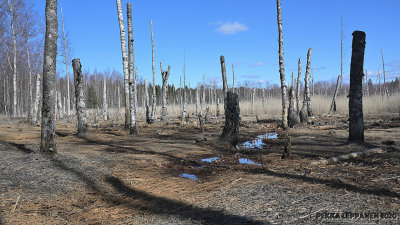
(231, 28)
(258, 64)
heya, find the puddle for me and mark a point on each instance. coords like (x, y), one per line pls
(188, 176)
(258, 141)
(248, 161)
(210, 160)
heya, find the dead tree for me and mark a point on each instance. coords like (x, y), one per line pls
(333, 104)
(218, 113)
(11, 7)
(80, 97)
(203, 100)
(66, 65)
(105, 104)
(153, 109)
(184, 89)
(282, 68)
(59, 105)
(341, 50)
(253, 93)
(197, 100)
(131, 71)
(36, 102)
(307, 99)
(385, 89)
(124, 61)
(292, 114)
(232, 110)
(48, 135)
(298, 88)
(232, 119)
(164, 76)
(147, 102)
(356, 121)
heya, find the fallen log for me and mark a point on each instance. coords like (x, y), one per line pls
(348, 156)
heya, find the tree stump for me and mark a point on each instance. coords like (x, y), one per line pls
(356, 122)
(232, 119)
(292, 116)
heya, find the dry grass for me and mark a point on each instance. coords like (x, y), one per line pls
(320, 105)
(374, 104)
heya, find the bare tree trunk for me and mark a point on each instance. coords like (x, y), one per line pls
(164, 75)
(105, 104)
(36, 103)
(48, 135)
(60, 108)
(282, 69)
(385, 89)
(307, 98)
(14, 35)
(252, 99)
(298, 88)
(80, 97)
(147, 101)
(197, 100)
(224, 79)
(66, 65)
(333, 104)
(379, 80)
(218, 114)
(132, 74)
(184, 89)
(153, 110)
(124, 62)
(203, 101)
(356, 122)
(232, 119)
(292, 114)
(30, 108)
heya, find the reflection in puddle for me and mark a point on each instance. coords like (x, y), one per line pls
(258, 141)
(188, 176)
(248, 161)
(210, 160)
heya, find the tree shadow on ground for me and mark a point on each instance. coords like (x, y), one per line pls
(333, 183)
(131, 198)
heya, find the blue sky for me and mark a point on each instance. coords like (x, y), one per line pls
(245, 32)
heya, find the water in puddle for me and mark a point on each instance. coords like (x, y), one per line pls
(189, 176)
(258, 141)
(210, 160)
(248, 161)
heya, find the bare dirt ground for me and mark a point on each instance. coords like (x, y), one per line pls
(111, 177)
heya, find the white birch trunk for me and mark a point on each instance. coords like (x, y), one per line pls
(105, 104)
(282, 69)
(66, 65)
(164, 75)
(132, 74)
(79, 97)
(124, 61)
(153, 110)
(36, 102)
(48, 136)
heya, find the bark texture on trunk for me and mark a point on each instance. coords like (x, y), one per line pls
(232, 119)
(36, 102)
(164, 75)
(203, 100)
(224, 81)
(80, 97)
(147, 101)
(197, 100)
(48, 135)
(282, 68)
(356, 122)
(153, 108)
(124, 61)
(60, 108)
(292, 114)
(105, 104)
(307, 97)
(298, 88)
(132, 74)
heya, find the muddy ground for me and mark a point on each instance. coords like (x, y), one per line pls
(111, 177)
